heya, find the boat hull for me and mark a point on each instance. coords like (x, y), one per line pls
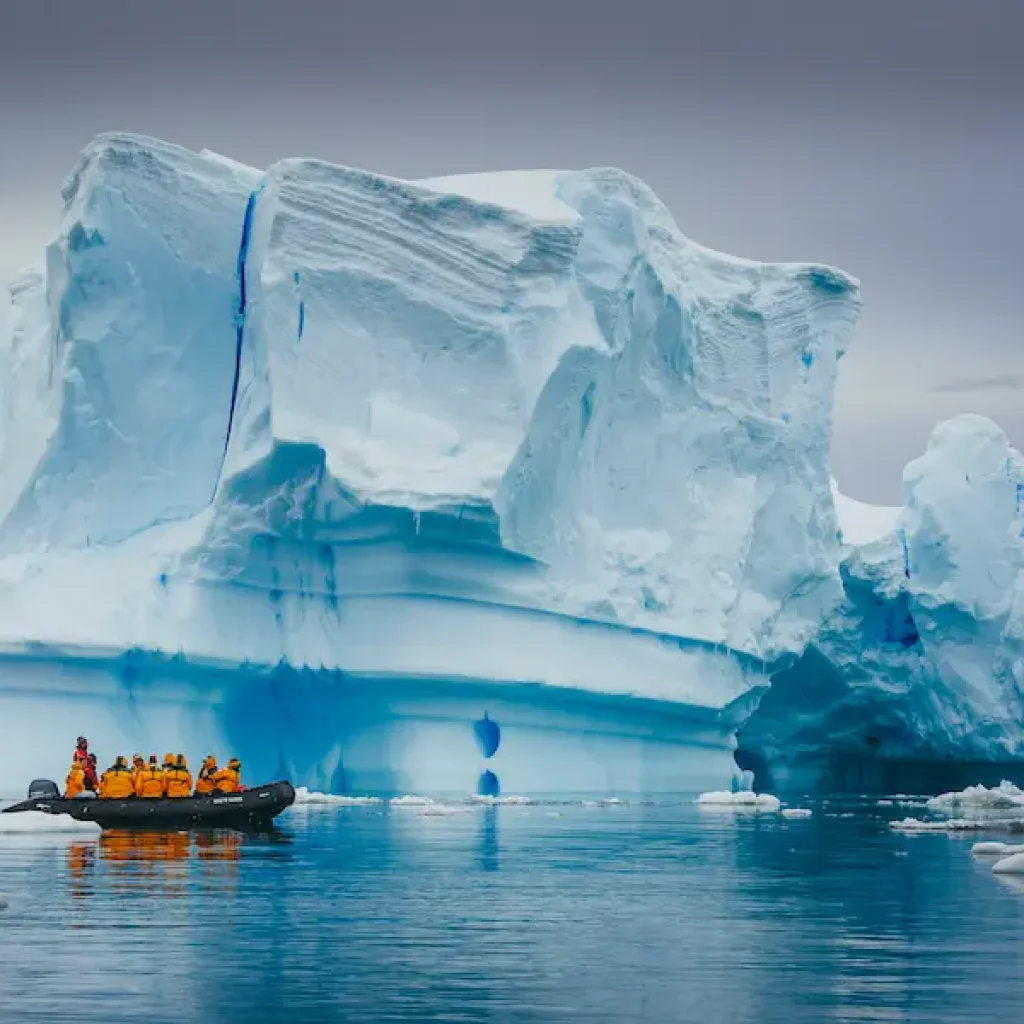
(254, 808)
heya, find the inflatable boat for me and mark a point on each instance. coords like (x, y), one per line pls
(252, 808)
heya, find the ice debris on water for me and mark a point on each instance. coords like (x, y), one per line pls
(797, 812)
(1013, 865)
(307, 797)
(1005, 796)
(952, 824)
(746, 801)
(36, 822)
(989, 849)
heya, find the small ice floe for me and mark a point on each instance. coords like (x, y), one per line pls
(884, 803)
(745, 801)
(797, 812)
(995, 849)
(411, 801)
(610, 801)
(32, 823)
(310, 797)
(509, 801)
(952, 825)
(1012, 865)
(1005, 796)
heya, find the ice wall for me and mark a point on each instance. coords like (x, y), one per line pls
(923, 662)
(503, 435)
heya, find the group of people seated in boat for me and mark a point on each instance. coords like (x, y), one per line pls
(149, 780)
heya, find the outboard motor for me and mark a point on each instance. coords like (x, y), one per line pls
(43, 789)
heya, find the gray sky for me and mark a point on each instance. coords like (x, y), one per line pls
(884, 136)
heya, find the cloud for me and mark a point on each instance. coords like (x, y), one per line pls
(971, 385)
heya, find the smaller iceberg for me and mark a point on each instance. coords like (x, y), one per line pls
(747, 801)
(1005, 796)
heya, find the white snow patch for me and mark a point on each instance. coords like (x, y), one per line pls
(861, 523)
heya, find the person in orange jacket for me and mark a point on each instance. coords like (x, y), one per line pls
(151, 784)
(117, 782)
(75, 782)
(207, 771)
(179, 778)
(228, 780)
(138, 763)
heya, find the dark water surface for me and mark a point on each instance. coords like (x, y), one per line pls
(537, 913)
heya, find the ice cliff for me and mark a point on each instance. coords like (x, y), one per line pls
(918, 675)
(329, 467)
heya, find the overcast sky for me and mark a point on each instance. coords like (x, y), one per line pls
(884, 136)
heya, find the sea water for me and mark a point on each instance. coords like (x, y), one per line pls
(535, 912)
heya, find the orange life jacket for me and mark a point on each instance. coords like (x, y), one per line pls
(204, 783)
(179, 782)
(75, 781)
(116, 784)
(227, 780)
(151, 784)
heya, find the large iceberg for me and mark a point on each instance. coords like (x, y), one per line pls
(388, 486)
(916, 680)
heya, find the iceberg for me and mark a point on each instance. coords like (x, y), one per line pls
(493, 482)
(916, 678)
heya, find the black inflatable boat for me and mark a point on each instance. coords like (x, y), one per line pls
(253, 808)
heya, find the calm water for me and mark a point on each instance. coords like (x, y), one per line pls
(539, 913)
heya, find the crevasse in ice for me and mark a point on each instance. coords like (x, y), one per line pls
(325, 469)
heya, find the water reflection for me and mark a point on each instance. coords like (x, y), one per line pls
(163, 863)
(488, 838)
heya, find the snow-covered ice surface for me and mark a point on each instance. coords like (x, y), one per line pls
(495, 482)
(923, 662)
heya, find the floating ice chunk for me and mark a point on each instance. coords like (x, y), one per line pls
(797, 812)
(306, 797)
(1002, 797)
(952, 825)
(739, 801)
(512, 800)
(35, 822)
(411, 801)
(1013, 865)
(995, 849)
(884, 803)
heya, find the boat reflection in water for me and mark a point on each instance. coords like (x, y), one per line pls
(164, 863)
